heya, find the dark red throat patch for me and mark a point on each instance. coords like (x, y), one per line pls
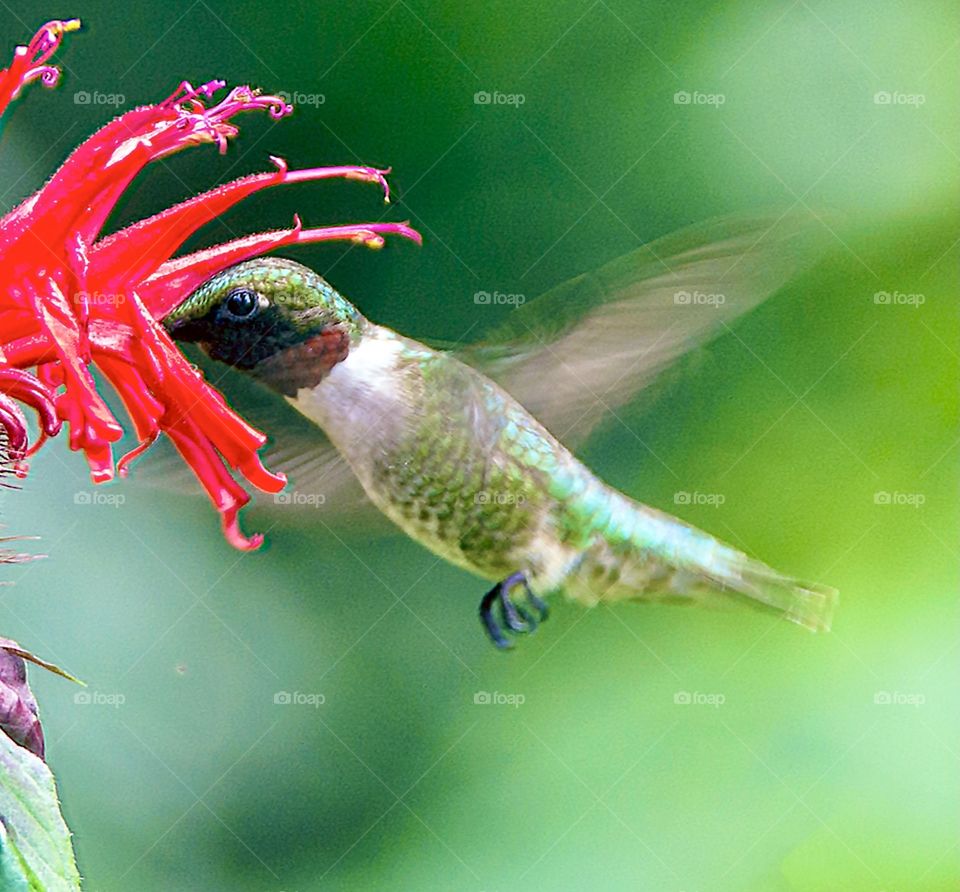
(305, 364)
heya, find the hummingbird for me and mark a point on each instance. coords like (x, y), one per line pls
(468, 450)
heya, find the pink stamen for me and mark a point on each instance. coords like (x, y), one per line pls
(47, 74)
(29, 61)
(46, 41)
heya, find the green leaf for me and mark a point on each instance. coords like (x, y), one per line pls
(12, 875)
(35, 849)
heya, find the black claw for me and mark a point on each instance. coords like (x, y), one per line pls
(531, 621)
(488, 620)
(514, 617)
(538, 604)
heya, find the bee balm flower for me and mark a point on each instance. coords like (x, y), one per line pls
(55, 263)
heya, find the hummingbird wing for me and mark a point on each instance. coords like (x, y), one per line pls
(583, 349)
(319, 478)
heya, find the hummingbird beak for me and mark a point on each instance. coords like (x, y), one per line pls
(186, 330)
(190, 331)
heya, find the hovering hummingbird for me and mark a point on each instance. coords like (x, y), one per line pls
(442, 445)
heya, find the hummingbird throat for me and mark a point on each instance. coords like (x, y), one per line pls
(304, 364)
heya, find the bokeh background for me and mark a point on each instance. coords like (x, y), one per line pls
(827, 423)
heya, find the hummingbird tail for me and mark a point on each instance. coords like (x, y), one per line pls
(716, 566)
(654, 556)
(807, 604)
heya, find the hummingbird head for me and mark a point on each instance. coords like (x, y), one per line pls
(273, 318)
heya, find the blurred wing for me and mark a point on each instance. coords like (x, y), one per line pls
(318, 477)
(585, 348)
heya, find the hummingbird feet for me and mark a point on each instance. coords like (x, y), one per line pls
(513, 616)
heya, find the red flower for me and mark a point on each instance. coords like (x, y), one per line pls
(73, 299)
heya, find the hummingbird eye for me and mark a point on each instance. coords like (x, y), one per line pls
(241, 303)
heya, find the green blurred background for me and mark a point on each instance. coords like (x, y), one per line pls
(832, 762)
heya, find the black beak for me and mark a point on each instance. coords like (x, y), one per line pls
(186, 330)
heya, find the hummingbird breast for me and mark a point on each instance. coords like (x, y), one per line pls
(446, 454)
